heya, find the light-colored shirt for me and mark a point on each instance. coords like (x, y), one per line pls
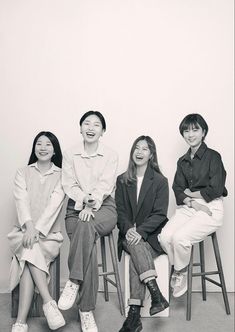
(84, 174)
(139, 184)
(39, 197)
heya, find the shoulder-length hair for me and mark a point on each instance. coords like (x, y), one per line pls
(56, 158)
(130, 174)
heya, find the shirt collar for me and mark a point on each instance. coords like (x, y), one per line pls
(199, 153)
(53, 168)
(81, 151)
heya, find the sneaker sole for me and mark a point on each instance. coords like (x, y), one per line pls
(57, 326)
(180, 293)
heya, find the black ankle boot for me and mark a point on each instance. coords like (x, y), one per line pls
(133, 322)
(159, 303)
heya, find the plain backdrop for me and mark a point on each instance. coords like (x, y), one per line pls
(144, 64)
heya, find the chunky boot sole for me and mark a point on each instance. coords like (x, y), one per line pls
(157, 309)
(139, 328)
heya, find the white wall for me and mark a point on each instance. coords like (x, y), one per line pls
(144, 64)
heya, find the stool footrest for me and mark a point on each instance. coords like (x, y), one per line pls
(101, 274)
(200, 274)
(213, 282)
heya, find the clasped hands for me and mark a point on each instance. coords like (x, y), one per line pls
(194, 204)
(132, 236)
(86, 213)
(31, 235)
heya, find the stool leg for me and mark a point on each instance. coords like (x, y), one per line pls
(117, 277)
(104, 267)
(202, 265)
(221, 273)
(189, 292)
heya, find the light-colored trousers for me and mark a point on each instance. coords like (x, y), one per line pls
(187, 227)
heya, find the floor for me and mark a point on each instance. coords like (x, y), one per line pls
(207, 316)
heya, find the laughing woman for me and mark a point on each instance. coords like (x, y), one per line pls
(199, 187)
(36, 238)
(142, 203)
(88, 177)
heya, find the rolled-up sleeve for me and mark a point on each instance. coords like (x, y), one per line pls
(106, 183)
(217, 177)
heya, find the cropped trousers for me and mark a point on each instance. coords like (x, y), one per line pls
(187, 227)
(82, 260)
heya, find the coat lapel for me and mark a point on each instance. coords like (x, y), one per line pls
(147, 181)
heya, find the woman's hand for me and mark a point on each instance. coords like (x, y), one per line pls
(188, 192)
(31, 235)
(200, 207)
(132, 236)
(89, 200)
(86, 214)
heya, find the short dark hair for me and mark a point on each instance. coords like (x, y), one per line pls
(98, 114)
(56, 158)
(194, 120)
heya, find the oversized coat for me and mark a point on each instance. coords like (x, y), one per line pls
(149, 214)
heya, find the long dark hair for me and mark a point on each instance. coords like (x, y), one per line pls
(130, 174)
(57, 157)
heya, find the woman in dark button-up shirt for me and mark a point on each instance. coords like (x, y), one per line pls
(199, 185)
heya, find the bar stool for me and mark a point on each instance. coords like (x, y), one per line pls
(203, 274)
(115, 272)
(36, 306)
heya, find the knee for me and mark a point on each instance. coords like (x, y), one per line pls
(164, 238)
(180, 241)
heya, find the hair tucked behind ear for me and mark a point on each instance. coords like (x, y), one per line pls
(130, 174)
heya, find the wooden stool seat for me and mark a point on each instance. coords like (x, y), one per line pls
(105, 274)
(203, 274)
(36, 306)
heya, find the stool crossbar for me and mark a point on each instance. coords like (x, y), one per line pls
(203, 274)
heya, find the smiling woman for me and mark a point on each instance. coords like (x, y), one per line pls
(88, 177)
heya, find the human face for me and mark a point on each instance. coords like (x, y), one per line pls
(141, 154)
(44, 149)
(91, 129)
(194, 136)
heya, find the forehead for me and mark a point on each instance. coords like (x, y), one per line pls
(43, 138)
(142, 143)
(92, 118)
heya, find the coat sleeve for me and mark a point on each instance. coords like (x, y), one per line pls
(159, 211)
(123, 222)
(179, 185)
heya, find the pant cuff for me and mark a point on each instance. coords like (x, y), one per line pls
(135, 302)
(147, 274)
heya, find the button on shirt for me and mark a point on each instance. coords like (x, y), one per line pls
(39, 197)
(84, 174)
(204, 173)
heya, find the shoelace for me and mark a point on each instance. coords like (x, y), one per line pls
(178, 279)
(67, 291)
(55, 308)
(88, 320)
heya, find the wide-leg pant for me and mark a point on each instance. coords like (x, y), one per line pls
(141, 267)
(187, 227)
(82, 261)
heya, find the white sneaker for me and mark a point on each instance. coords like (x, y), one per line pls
(173, 279)
(54, 317)
(19, 327)
(180, 286)
(88, 323)
(68, 296)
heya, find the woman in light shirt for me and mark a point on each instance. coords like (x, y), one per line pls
(142, 197)
(36, 238)
(88, 178)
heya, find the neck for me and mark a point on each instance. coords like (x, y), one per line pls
(90, 147)
(194, 149)
(44, 166)
(140, 170)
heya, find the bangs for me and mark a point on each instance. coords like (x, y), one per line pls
(190, 124)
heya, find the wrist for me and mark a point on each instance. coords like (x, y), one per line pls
(190, 203)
